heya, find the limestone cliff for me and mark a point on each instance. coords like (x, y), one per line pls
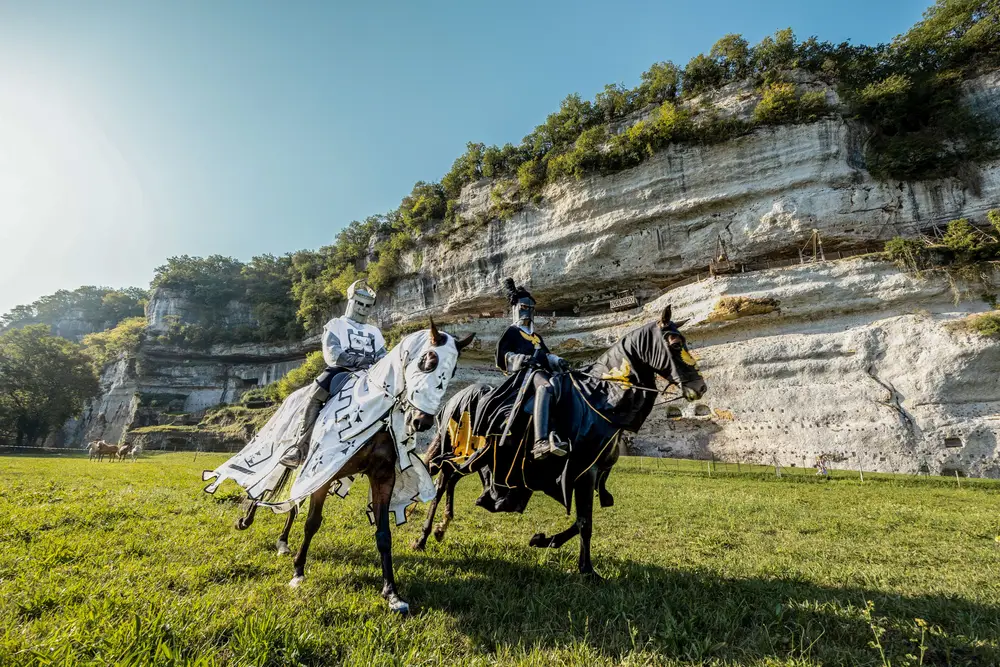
(859, 362)
(645, 228)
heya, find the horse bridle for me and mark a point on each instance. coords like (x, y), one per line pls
(634, 386)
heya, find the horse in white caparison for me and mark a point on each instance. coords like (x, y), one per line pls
(367, 427)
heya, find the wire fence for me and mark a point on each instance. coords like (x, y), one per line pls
(648, 465)
(714, 468)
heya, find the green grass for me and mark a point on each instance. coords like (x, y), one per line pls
(130, 563)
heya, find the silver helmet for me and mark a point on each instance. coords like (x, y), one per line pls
(360, 301)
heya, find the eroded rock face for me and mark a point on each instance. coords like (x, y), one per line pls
(137, 390)
(167, 307)
(642, 229)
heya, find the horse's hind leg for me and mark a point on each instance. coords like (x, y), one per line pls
(449, 509)
(440, 487)
(313, 522)
(283, 549)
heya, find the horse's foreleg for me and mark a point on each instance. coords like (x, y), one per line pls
(584, 496)
(449, 508)
(542, 542)
(283, 549)
(383, 478)
(440, 487)
(607, 500)
(246, 520)
(313, 522)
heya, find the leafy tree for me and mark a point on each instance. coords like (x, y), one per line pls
(531, 175)
(213, 281)
(659, 83)
(774, 54)
(44, 380)
(267, 284)
(777, 105)
(994, 219)
(812, 105)
(104, 347)
(465, 170)
(701, 73)
(732, 53)
(614, 102)
(423, 207)
(963, 239)
(300, 376)
(953, 32)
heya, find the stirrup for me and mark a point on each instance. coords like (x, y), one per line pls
(557, 446)
(543, 448)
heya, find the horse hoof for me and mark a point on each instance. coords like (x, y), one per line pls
(538, 540)
(296, 581)
(592, 576)
(283, 549)
(419, 545)
(439, 534)
(398, 606)
(240, 525)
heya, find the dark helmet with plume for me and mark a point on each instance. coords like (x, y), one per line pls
(522, 305)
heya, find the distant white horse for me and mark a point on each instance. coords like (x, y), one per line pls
(100, 449)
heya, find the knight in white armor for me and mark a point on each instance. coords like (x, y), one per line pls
(349, 344)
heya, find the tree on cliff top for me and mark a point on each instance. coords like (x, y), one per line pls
(44, 380)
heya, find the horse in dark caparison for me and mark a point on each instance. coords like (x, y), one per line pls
(366, 427)
(489, 432)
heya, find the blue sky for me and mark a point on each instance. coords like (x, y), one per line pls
(133, 131)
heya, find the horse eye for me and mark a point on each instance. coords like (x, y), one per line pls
(674, 341)
(428, 362)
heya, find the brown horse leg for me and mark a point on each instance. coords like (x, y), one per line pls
(313, 521)
(382, 475)
(449, 509)
(440, 487)
(283, 549)
(584, 497)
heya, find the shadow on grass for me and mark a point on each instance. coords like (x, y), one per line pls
(698, 616)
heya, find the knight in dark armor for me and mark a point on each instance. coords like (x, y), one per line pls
(521, 348)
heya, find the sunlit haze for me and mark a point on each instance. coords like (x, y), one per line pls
(130, 132)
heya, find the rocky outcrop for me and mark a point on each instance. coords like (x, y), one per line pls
(762, 195)
(168, 307)
(137, 391)
(859, 364)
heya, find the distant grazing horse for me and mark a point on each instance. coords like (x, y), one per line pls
(366, 427)
(491, 433)
(100, 449)
(125, 450)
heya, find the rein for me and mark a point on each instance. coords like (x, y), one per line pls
(632, 386)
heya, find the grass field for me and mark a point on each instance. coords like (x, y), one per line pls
(129, 563)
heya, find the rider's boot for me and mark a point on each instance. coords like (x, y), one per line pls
(546, 442)
(296, 454)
